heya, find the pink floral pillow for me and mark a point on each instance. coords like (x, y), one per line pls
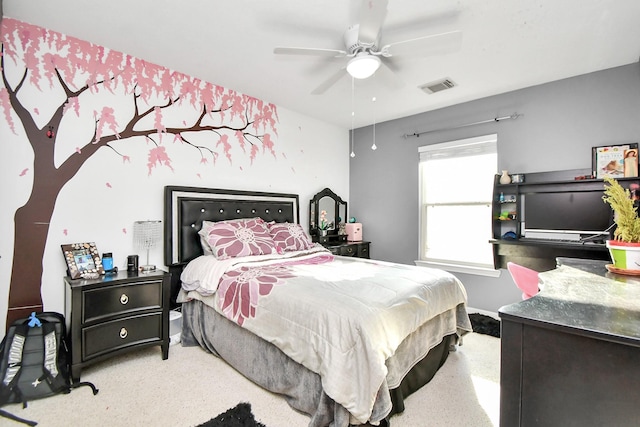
(289, 237)
(236, 238)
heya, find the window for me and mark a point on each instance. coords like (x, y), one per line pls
(456, 190)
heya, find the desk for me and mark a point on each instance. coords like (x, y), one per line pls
(541, 255)
(570, 356)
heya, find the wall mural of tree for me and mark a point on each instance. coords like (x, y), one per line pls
(33, 57)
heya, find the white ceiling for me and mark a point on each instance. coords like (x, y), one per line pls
(506, 45)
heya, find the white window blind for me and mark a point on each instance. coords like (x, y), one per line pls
(456, 189)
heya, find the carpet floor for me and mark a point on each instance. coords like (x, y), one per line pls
(192, 386)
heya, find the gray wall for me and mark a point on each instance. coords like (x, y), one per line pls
(560, 123)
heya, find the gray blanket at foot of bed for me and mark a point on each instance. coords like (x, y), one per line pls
(266, 365)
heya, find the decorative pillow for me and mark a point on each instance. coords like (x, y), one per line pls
(236, 238)
(289, 237)
(204, 231)
(206, 249)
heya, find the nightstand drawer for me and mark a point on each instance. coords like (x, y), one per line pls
(349, 250)
(363, 250)
(117, 334)
(111, 301)
(353, 249)
(334, 249)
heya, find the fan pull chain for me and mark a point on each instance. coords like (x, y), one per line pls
(374, 147)
(353, 113)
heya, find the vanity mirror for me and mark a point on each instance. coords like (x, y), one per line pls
(324, 228)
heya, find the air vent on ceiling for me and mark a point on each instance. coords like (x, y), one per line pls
(438, 86)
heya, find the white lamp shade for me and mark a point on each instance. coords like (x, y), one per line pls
(147, 234)
(363, 65)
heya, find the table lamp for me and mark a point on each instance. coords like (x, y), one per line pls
(147, 235)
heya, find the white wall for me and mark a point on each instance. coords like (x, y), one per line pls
(108, 194)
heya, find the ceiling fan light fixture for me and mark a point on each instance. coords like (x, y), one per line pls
(363, 65)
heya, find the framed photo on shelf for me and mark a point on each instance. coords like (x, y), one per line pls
(631, 161)
(615, 161)
(82, 259)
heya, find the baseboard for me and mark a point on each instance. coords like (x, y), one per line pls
(485, 312)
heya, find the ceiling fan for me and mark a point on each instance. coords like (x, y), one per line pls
(363, 47)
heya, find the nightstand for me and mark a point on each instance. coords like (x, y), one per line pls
(115, 314)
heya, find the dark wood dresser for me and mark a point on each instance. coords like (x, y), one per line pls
(355, 249)
(570, 356)
(115, 314)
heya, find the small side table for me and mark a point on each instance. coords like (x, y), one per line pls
(115, 314)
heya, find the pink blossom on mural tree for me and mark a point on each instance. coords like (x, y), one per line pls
(45, 59)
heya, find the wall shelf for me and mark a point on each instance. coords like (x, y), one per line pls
(540, 254)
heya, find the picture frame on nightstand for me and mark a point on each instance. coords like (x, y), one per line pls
(82, 259)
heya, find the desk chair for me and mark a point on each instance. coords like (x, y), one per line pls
(526, 279)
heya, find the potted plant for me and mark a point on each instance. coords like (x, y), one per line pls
(324, 224)
(624, 248)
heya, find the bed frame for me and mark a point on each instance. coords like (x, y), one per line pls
(187, 207)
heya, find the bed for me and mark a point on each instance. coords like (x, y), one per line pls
(344, 340)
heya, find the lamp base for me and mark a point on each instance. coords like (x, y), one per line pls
(147, 268)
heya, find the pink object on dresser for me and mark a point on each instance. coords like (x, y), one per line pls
(354, 231)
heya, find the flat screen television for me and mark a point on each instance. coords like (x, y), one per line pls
(565, 215)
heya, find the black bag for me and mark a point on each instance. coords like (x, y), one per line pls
(35, 361)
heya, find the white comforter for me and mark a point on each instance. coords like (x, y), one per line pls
(341, 318)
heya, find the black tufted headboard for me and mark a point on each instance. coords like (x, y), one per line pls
(186, 207)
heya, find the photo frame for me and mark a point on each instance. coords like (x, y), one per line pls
(82, 259)
(631, 161)
(615, 161)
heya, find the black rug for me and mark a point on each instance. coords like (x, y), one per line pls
(240, 416)
(486, 325)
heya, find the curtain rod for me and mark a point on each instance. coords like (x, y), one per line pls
(496, 119)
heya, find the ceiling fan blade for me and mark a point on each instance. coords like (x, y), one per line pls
(333, 79)
(372, 15)
(444, 42)
(309, 51)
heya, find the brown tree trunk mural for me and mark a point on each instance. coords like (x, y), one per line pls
(51, 58)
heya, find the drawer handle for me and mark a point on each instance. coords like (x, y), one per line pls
(124, 299)
(123, 333)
